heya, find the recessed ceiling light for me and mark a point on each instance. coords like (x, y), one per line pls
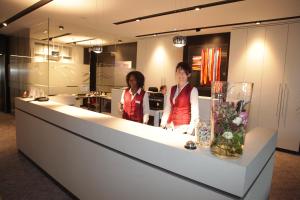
(197, 9)
(4, 24)
(137, 20)
(61, 28)
(154, 35)
(171, 12)
(257, 23)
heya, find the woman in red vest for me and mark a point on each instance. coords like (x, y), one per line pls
(181, 112)
(135, 101)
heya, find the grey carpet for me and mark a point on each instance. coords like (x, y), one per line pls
(21, 180)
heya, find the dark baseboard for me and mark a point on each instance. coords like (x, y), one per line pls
(288, 151)
(70, 194)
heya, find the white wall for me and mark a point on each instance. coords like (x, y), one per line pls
(247, 48)
(268, 56)
(258, 54)
(157, 59)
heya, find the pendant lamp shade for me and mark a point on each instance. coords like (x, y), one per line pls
(179, 41)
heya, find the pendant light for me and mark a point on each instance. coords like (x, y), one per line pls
(179, 41)
(97, 49)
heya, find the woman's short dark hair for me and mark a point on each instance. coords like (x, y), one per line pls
(140, 79)
(162, 87)
(185, 67)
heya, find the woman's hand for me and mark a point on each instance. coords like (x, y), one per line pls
(121, 109)
(164, 126)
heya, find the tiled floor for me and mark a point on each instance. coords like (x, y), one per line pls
(21, 180)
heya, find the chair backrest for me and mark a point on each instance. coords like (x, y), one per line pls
(153, 89)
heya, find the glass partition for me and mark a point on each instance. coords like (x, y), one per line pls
(113, 64)
(43, 61)
(29, 71)
(48, 59)
(67, 72)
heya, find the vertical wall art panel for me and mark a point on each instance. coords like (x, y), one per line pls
(208, 57)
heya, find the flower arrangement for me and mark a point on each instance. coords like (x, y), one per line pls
(229, 119)
(229, 130)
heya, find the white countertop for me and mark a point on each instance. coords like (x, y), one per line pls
(162, 148)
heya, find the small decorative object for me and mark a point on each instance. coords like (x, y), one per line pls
(25, 94)
(203, 134)
(41, 99)
(179, 41)
(230, 111)
(190, 145)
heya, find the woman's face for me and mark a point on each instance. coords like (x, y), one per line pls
(181, 76)
(132, 82)
(164, 90)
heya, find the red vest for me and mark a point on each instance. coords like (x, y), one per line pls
(133, 109)
(180, 110)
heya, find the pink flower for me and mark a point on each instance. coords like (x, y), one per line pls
(244, 116)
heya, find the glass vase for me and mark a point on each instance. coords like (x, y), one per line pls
(230, 112)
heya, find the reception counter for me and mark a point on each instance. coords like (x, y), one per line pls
(97, 156)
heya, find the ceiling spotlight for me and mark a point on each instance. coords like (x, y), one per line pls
(4, 24)
(137, 20)
(257, 23)
(179, 41)
(197, 9)
(198, 29)
(61, 28)
(154, 35)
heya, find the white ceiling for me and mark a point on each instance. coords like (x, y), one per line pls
(95, 18)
